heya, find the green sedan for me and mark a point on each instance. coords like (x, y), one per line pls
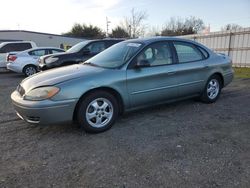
(129, 75)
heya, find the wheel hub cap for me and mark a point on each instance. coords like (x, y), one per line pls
(99, 112)
(213, 89)
(30, 70)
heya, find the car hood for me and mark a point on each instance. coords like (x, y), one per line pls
(59, 75)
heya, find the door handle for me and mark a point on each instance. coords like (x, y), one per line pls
(206, 66)
(171, 72)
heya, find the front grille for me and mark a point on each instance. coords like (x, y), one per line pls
(20, 90)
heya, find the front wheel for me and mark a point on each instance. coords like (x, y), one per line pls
(97, 112)
(212, 90)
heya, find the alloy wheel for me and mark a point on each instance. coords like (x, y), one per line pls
(213, 88)
(99, 112)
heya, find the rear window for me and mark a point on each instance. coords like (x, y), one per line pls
(187, 52)
(15, 47)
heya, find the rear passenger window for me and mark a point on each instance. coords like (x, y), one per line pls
(37, 52)
(56, 51)
(187, 52)
(23, 46)
(5, 49)
(15, 47)
(204, 52)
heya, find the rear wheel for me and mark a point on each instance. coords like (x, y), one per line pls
(29, 70)
(97, 112)
(212, 90)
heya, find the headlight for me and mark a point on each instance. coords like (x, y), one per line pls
(51, 59)
(41, 93)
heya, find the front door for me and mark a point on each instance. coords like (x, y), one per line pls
(155, 82)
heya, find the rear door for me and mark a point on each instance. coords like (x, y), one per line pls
(191, 68)
(35, 54)
(155, 83)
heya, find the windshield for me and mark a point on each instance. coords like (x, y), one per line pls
(116, 55)
(76, 48)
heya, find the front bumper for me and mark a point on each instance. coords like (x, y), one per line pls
(42, 67)
(14, 67)
(43, 112)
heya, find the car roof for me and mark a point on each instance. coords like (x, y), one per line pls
(106, 39)
(41, 48)
(157, 39)
(163, 38)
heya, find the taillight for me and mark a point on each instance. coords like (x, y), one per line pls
(11, 58)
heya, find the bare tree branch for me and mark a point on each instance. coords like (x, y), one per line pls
(134, 24)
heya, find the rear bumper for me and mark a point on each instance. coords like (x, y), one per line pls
(43, 112)
(228, 78)
(13, 67)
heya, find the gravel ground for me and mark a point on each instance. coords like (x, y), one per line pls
(184, 144)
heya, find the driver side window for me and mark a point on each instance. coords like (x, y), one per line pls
(156, 54)
(96, 47)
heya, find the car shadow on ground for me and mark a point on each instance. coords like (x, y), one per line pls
(126, 121)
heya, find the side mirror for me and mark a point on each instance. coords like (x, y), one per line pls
(86, 52)
(142, 63)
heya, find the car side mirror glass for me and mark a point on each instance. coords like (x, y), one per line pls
(142, 63)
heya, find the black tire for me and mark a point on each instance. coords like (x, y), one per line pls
(29, 70)
(206, 97)
(85, 104)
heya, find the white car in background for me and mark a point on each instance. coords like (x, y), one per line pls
(17, 46)
(26, 62)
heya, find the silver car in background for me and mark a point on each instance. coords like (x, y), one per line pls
(26, 62)
(129, 75)
(14, 46)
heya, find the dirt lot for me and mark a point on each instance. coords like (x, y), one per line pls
(185, 144)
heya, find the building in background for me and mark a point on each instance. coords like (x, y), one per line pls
(41, 39)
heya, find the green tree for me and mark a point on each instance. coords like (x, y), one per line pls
(119, 32)
(85, 31)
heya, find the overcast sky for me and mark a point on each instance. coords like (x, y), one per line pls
(58, 16)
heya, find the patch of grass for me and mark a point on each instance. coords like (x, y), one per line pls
(241, 72)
